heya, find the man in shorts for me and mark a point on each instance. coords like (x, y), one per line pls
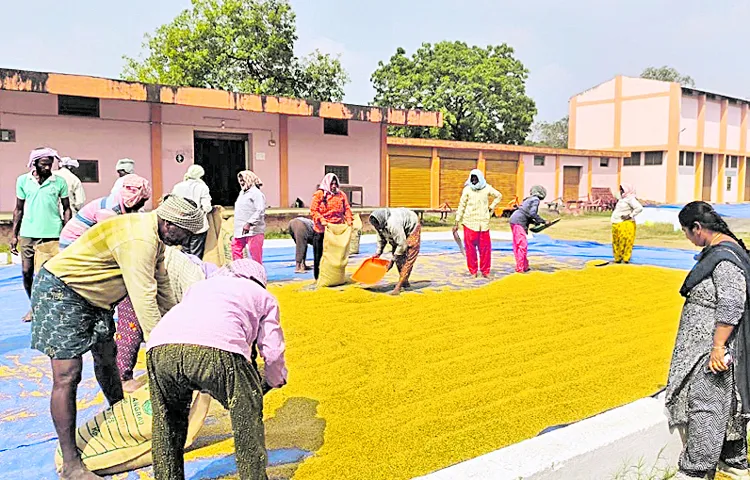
(74, 295)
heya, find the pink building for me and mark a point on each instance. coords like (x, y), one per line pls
(289, 143)
(686, 144)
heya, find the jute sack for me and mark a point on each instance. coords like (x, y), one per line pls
(335, 255)
(119, 438)
(43, 252)
(356, 235)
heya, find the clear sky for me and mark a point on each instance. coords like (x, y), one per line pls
(568, 46)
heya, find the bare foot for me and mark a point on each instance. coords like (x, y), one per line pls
(298, 270)
(486, 275)
(27, 317)
(395, 292)
(77, 472)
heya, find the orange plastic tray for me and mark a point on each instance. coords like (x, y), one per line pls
(371, 271)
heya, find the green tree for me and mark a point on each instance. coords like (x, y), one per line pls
(236, 45)
(668, 74)
(481, 91)
(550, 134)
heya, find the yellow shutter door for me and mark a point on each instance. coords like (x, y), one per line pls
(453, 175)
(409, 182)
(501, 174)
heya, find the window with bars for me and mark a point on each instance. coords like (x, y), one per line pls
(729, 184)
(8, 136)
(77, 106)
(633, 160)
(604, 162)
(653, 158)
(340, 171)
(88, 171)
(538, 160)
(687, 159)
(731, 161)
(334, 126)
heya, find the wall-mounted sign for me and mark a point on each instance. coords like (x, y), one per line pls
(260, 156)
(180, 158)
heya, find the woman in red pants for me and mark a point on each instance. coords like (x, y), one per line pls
(474, 212)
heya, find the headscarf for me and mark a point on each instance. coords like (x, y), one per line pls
(244, 268)
(125, 164)
(68, 162)
(248, 179)
(179, 211)
(134, 189)
(628, 190)
(195, 172)
(327, 181)
(538, 191)
(480, 184)
(39, 153)
(380, 216)
(207, 267)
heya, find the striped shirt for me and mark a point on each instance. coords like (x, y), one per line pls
(120, 256)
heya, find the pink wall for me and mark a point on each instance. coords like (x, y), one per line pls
(645, 122)
(713, 124)
(605, 91)
(734, 121)
(310, 151)
(605, 176)
(595, 126)
(650, 181)
(689, 121)
(77, 137)
(685, 184)
(544, 175)
(640, 86)
(180, 123)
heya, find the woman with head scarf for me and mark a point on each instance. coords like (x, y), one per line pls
(131, 197)
(399, 228)
(125, 166)
(474, 212)
(623, 223)
(76, 194)
(708, 389)
(329, 205)
(194, 188)
(206, 343)
(527, 212)
(249, 218)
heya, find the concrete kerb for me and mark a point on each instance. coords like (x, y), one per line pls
(598, 448)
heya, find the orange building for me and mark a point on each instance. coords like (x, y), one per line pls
(687, 144)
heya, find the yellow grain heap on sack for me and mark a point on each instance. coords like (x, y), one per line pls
(335, 255)
(356, 235)
(44, 252)
(119, 438)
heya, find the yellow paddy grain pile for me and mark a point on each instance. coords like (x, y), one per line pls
(411, 384)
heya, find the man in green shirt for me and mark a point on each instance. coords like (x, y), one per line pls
(36, 218)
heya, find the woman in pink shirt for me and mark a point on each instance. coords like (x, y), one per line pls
(205, 343)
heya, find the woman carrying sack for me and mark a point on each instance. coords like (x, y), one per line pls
(329, 206)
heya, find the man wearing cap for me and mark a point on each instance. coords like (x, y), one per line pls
(76, 194)
(36, 218)
(124, 167)
(74, 295)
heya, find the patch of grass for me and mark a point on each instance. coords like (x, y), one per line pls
(276, 234)
(639, 471)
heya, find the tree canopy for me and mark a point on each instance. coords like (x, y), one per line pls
(237, 45)
(550, 134)
(481, 91)
(668, 74)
